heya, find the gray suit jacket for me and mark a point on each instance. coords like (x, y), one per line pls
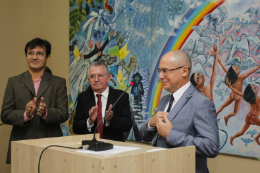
(194, 123)
(19, 91)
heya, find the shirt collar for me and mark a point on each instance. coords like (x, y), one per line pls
(177, 94)
(40, 78)
(104, 93)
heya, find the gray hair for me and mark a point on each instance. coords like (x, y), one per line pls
(98, 63)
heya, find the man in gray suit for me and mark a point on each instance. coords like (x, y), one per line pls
(185, 117)
(35, 102)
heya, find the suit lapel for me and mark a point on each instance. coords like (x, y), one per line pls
(181, 102)
(111, 98)
(27, 80)
(45, 83)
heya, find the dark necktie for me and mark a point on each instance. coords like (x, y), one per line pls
(170, 103)
(99, 116)
(168, 110)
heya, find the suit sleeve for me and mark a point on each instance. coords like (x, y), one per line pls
(80, 120)
(10, 115)
(207, 136)
(147, 134)
(122, 122)
(59, 113)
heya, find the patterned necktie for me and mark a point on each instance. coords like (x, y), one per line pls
(170, 103)
(99, 116)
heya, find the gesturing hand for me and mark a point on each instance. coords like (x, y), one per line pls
(164, 126)
(42, 108)
(93, 114)
(109, 115)
(30, 106)
(154, 120)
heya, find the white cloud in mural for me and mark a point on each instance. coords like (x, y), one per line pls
(176, 22)
(193, 5)
(232, 2)
(144, 9)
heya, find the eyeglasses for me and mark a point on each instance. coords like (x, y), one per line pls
(99, 76)
(165, 70)
(31, 53)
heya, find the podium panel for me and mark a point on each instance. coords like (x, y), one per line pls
(26, 153)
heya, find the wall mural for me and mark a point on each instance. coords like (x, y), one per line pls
(130, 36)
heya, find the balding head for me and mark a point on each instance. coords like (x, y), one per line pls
(175, 67)
(178, 58)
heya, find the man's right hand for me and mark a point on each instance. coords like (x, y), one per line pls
(93, 114)
(30, 106)
(155, 119)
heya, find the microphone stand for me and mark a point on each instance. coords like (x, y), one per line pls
(95, 145)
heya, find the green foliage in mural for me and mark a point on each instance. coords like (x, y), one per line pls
(99, 1)
(80, 2)
(74, 14)
(82, 16)
(71, 32)
(76, 25)
(72, 2)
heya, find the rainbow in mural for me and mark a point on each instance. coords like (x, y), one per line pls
(193, 17)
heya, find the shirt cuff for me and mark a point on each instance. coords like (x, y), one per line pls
(148, 125)
(25, 118)
(45, 116)
(89, 126)
(107, 123)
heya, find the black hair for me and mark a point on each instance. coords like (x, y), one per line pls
(38, 42)
(47, 69)
(192, 80)
(249, 95)
(231, 75)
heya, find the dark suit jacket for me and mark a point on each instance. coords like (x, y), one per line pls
(120, 123)
(19, 91)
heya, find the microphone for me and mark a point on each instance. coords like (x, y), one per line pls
(95, 145)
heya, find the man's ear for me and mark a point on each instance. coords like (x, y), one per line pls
(185, 71)
(48, 58)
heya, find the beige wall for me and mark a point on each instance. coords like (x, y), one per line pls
(23, 20)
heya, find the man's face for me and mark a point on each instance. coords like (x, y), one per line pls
(98, 78)
(98, 44)
(199, 79)
(36, 58)
(171, 80)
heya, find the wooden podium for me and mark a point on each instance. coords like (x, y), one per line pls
(26, 153)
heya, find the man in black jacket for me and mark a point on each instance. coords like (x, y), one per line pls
(89, 106)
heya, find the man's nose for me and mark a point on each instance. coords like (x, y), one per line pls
(161, 75)
(96, 78)
(35, 56)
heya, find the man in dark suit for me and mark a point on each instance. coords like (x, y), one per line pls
(185, 117)
(35, 102)
(96, 100)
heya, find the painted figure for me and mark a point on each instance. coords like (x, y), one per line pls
(198, 79)
(252, 117)
(236, 80)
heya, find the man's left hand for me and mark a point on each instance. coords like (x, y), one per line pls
(109, 115)
(164, 128)
(42, 108)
